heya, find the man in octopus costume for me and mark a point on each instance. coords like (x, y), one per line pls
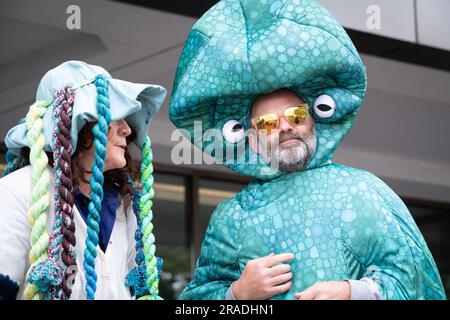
(340, 223)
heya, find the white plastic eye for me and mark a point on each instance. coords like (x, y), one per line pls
(233, 131)
(324, 106)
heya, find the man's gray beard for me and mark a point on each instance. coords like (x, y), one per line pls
(294, 158)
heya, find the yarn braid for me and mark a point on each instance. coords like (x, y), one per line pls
(49, 272)
(65, 194)
(137, 277)
(146, 216)
(63, 229)
(96, 181)
(40, 196)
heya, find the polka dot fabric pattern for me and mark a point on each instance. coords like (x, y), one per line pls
(340, 222)
(240, 49)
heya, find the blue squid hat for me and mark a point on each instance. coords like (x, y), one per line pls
(240, 49)
(134, 102)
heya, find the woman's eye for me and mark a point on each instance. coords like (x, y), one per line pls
(324, 107)
(233, 131)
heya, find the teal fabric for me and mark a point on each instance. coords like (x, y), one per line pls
(339, 222)
(137, 103)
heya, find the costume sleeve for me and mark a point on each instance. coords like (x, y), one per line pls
(391, 250)
(14, 235)
(229, 294)
(364, 289)
(217, 266)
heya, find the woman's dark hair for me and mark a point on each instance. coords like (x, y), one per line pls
(115, 178)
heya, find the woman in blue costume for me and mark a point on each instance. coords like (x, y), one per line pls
(76, 218)
(339, 223)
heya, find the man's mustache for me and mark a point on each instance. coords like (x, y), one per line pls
(284, 136)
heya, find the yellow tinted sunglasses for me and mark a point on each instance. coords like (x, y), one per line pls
(294, 115)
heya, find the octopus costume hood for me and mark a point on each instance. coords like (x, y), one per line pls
(340, 222)
(68, 97)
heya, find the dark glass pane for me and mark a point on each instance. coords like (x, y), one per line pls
(169, 213)
(434, 223)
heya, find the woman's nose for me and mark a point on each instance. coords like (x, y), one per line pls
(125, 128)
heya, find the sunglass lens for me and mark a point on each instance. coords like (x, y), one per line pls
(296, 115)
(267, 122)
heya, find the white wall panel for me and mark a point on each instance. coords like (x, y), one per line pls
(434, 23)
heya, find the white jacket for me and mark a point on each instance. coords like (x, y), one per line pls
(112, 266)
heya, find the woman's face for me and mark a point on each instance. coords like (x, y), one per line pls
(118, 131)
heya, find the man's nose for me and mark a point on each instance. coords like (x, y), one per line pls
(284, 125)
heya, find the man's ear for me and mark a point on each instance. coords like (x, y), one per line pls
(253, 140)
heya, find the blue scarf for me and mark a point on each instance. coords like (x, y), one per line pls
(110, 203)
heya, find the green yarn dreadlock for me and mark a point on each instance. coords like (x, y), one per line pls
(37, 215)
(146, 216)
(137, 278)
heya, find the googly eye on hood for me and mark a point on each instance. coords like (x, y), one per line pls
(324, 106)
(233, 131)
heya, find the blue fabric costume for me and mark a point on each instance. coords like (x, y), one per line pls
(339, 222)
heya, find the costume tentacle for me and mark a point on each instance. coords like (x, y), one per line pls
(96, 181)
(137, 278)
(65, 189)
(146, 216)
(62, 241)
(37, 215)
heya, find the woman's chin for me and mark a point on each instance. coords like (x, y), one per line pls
(116, 165)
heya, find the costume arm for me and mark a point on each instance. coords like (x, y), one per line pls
(14, 236)
(217, 266)
(393, 253)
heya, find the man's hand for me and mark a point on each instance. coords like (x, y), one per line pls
(261, 279)
(331, 290)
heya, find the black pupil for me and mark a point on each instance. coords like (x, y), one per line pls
(237, 127)
(324, 107)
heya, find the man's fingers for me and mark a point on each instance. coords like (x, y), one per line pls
(279, 269)
(280, 279)
(281, 288)
(277, 258)
(308, 294)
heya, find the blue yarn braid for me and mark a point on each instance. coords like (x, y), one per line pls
(96, 181)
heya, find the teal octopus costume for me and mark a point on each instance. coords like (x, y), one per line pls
(340, 222)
